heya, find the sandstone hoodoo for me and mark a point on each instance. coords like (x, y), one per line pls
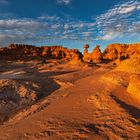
(96, 55)
(86, 46)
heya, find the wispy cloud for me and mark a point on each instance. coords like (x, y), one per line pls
(19, 30)
(65, 2)
(3, 2)
(118, 20)
(123, 20)
(49, 18)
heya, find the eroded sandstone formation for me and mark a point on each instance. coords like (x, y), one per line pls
(15, 95)
(95, 56)
(27, 52)
(134, 86)
(18, 52)
(121, 51)
(113, 52)
(131, 65)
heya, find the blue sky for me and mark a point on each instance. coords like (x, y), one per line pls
(71, 23)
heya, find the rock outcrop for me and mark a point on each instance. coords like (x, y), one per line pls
(113, 52)
(29, 52)
(18, 52)
(15, 95)
(134, 86)
(96, 55)
(121, 51)
(131, 65)
(87, 55)
(59, 52)
(86, 46)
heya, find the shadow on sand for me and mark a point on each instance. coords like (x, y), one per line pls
(46, 85)
(133, 111)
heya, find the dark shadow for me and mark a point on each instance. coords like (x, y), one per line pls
(133, 111)
(92, 128)
(46, 85)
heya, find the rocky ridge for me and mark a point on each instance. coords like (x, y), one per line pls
(30, 52)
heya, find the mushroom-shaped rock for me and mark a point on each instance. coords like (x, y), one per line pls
(86, 46)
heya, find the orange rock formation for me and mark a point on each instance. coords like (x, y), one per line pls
(27, 52)
(95, 56)
(121, 51)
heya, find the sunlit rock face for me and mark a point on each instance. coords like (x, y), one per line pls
(133, 50)
(121, 51)
(114, 51)
(96, 55)
(59, 52)
(134, 86)
(131, 65)
(87, 55)
(86, 46)
(27, 52)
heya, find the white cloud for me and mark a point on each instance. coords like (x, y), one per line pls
(110, 35)
(86, 34)
(122, 20)
(46, 17)
(65, 2)
(128, 9)
(119, 20)
(19, 30)
(138, 7)
(55, 26)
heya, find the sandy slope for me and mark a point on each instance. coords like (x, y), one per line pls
(76, 103)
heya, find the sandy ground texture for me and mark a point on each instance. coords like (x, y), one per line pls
(57, 101)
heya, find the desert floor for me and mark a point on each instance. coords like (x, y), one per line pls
(78, 103)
